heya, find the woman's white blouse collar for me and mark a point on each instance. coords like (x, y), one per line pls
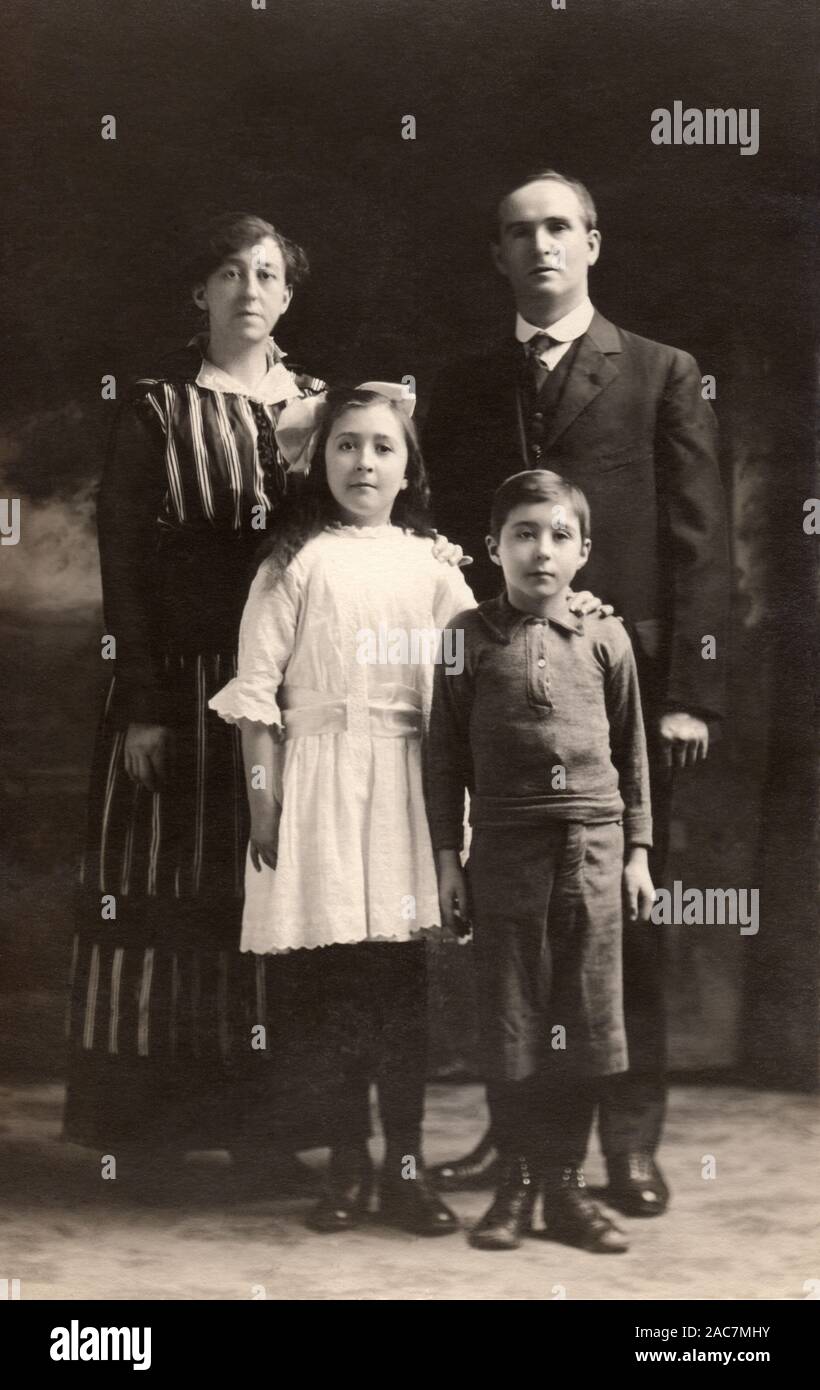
(276, 386)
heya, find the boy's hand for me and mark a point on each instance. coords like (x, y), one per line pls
(584, 603)
(638, 890)
(264, 838)
(452, 894)
(684, 738)
(449, 553)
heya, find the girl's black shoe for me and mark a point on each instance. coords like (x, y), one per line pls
(348, 1188)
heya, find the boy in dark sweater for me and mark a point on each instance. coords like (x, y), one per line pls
(543, 726)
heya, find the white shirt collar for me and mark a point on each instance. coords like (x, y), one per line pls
(277, 385)
(564, 330)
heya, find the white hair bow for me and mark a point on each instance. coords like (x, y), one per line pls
(399, 392)
(300, 420)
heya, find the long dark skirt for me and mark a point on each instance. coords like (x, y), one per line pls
(174, 1037)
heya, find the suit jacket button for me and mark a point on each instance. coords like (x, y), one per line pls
(539, 415)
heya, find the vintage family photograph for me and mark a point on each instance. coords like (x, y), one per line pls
(408, 613)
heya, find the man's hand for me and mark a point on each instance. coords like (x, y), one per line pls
(264, 838)
(684, 738)
(584, 603)
(147, 754)
(452, 894)
(449, 553)
(639, 893)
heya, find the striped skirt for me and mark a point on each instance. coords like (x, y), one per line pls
(173, 1035)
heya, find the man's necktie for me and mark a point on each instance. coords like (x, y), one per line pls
(537, 344)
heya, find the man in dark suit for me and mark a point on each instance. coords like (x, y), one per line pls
(625, 419)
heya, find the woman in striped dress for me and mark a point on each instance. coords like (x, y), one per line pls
(175, 1039)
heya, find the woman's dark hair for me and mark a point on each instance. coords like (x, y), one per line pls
(309, 505)
(231, 232)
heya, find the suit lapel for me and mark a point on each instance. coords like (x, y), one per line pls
(503, 387)
(592, 371)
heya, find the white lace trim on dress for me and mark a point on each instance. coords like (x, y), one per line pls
(356, 532)
(241, 699)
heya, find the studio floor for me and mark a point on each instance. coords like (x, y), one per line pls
(750, 1232)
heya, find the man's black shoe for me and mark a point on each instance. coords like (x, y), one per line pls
(412, 1205)
(478, 1168)
(636, 1185)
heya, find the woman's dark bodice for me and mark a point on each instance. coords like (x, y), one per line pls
(190, 487)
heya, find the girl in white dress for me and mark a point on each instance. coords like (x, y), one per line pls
(336, 653)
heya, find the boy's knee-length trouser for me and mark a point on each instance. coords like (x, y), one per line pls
(547, 917)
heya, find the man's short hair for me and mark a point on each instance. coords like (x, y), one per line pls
(538, 485)
(582, 193)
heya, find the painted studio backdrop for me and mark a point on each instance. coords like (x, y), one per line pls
(296, 111)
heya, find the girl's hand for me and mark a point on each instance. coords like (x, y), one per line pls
(584, 603)
(452, 895)
(638, 890)
(449, 553)
(264, 838)
(147, 754)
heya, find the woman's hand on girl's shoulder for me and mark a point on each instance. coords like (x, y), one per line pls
(449, 553)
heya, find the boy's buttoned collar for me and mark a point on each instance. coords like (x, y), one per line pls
(502, 619)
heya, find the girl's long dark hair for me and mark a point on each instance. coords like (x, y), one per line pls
(309, 505)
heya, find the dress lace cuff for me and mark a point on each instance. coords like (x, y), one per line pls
(240, 699)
